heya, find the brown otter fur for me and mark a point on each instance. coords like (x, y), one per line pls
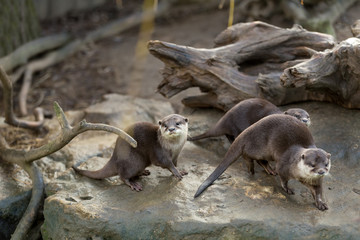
(289, 143)
(156, 144)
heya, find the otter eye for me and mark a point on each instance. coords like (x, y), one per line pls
(312, 165)
(165, 126)
(177, 124)
(327, 164)
(297, 115)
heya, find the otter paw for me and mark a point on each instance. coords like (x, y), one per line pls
(183, 172)
(289, 191)
(271, 172)
(136, 186)
(321, 206)
(145, 173)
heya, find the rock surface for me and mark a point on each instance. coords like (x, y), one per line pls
(236, 205)
(14, 197)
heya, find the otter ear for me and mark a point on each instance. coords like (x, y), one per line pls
(159, 122)
(302, 156)
(328, 155)
(186, 120)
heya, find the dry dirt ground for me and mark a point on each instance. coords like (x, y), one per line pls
(109, 66)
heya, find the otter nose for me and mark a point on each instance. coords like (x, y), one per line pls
(171, 129)
(321, 172)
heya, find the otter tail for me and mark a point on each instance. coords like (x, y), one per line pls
(232, 154)
(212, 132)
(198, 137)
(107, 171)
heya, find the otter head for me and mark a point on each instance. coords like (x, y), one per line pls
(314, 163)
(300, 114)
(173, 127)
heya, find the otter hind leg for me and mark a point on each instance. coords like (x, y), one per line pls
(231, 138)
(198, 137)
(132, 184)
(145, 173)
(265, 164)
(250, 165)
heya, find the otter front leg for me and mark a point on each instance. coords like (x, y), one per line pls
(165, 161)
(284, 185)
(316, 191)
(177, 173)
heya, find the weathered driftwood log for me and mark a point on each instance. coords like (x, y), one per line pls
(335, 73)
(247, 61)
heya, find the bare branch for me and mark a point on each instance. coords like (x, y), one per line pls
(21, 55)
(37, 65)
(8, 106)
(66, 135)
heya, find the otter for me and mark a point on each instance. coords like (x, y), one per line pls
(246, 113)
(156, 144)
(289, 143)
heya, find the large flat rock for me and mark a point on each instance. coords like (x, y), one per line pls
(237, 205)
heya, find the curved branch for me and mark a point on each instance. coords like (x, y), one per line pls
(8, 106)
(49, 60)
(23, 53)
(36, 198)
(66, 135)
